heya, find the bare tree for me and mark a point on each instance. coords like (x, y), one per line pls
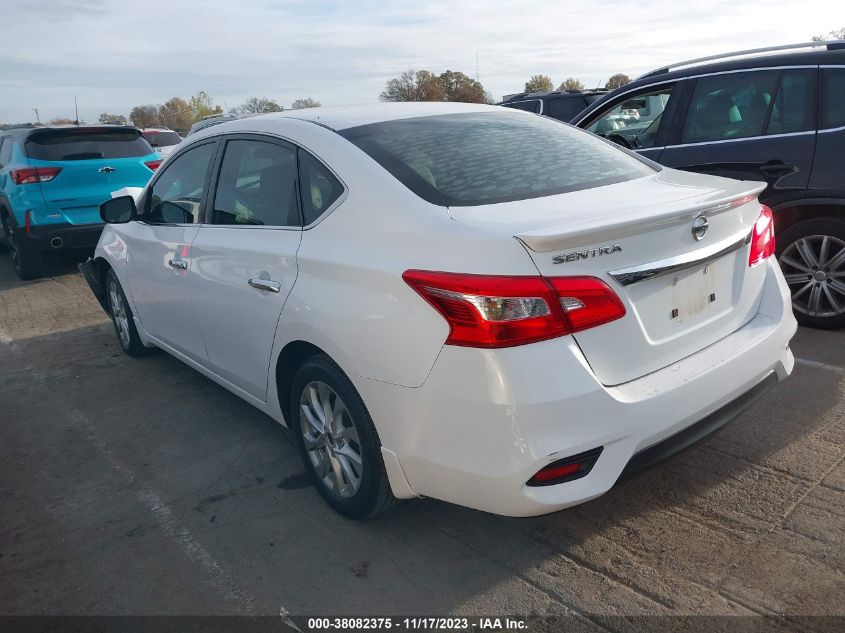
(254, 105)
(112, 118)
(307, 102)
(832, 35)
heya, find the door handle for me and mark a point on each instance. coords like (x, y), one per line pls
(265, 284)
(179, 264)
(776, 168)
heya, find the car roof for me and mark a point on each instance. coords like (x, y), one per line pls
(522, 96)
(345, 117)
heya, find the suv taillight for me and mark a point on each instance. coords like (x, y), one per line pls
(762, 237)
(501, 311)
(152, 165)
(32, 175)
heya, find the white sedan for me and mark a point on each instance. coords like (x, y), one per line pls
(463, 302)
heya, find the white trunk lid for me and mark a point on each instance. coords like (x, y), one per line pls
(681, 294)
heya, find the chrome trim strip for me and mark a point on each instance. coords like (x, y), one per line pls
(700, 257)
(744, 138)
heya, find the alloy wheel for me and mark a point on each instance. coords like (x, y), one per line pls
(119, 313)
(814, 268)
(330, 439)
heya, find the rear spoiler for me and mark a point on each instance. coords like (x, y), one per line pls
(594, 230)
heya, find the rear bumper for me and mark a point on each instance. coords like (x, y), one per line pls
(486, 421)
(54, 237)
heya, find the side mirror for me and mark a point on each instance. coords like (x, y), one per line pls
(118, 210)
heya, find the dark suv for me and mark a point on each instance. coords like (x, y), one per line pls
(559, 104)
(778, 118)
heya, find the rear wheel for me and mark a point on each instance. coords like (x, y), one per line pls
(28, 262)
(812, 257)
(337, 440)
(121, 316)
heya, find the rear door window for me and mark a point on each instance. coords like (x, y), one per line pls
(833, 99)
(86, 144)
(730, 106)
(531, 105)
(794, 109)
(320, 189)
(565, 108)
(257, 185)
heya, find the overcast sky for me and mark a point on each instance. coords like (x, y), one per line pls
(114, 55)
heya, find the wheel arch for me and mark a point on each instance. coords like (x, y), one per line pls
(292, 355)
(791, 213)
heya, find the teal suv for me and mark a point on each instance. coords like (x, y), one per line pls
(53, 179)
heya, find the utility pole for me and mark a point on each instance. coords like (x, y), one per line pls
(476, 69)
(37, 118)
(76, 108)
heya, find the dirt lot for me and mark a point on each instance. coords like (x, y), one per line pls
(139, 487)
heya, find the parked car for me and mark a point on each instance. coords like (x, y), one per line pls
(559, 104)
(211, 119)
(774, 118)
(52, 180)
(433, 312)
(162, 140)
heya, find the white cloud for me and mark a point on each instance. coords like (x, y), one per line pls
(114, 55)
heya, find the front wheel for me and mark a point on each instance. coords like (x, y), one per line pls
(121, 316)
(812, 257)
(337, 440)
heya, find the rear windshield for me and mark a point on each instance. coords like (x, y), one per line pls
(86, 143)
(162, 139)
(487, 157)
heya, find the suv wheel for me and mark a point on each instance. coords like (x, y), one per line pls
(812, 257)
(27, 261)
(337, 440)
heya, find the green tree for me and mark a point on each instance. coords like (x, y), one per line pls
(144, 116)
(254, 105)
(617, 81)
(307, 102)
(61, 121)
(570, 83)
(112, 118)
(202, 105)
(176, 114)
(459, 87)
(832, 35)
(539, 83)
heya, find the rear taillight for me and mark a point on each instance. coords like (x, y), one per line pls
(153, 164)
(762, 237)
(32, 175)
(500, 311)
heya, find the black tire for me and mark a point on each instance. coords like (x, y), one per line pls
(28, 262)
(373, 494)
(121, 318)
(790, 244)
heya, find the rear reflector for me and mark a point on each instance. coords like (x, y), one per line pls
(493, 311)
(153, 164)
(32, 175)
(762, 237)
(567, 469)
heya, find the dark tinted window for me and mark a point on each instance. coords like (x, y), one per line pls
(532, 105)
(162, 139)
(86, 143)
(565, 108)
(320, 188)
(833, 104)
(257, 185)
(729, 106)
(488, 157)
(795, 103)
(176, 195)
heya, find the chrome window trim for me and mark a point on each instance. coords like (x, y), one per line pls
(526, 101)
(670, 265)
(744, 138)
